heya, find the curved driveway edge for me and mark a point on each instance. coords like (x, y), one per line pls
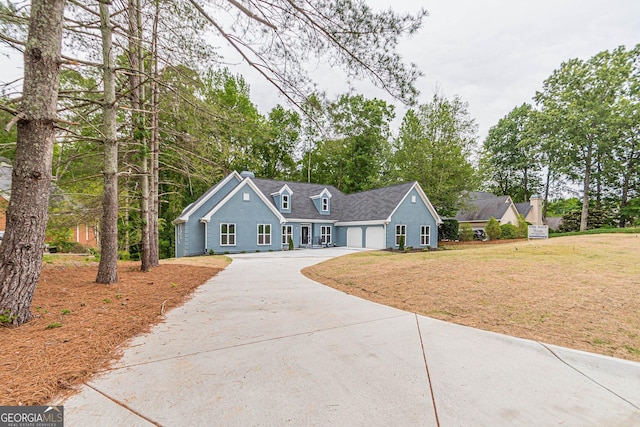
(261, 345)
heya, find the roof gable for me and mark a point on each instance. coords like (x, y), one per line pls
(246, 182)
(324, 193)
(190, 209)
(523, 208)
(374, 205)
(425, 200)
(483, 206)
(285, 189)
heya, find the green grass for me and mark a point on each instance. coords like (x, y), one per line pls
(629, 230)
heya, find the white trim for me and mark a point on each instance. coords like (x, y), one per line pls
(264, 226)
(77, 233)
(307, 220)
(309, 235)
(322, 234)
(321, 193)
(356, 223)
(396, 239)
(282, 190)
(247, 181)
(286, 234)
(228, 224)
(324, 208)
(184, 216)
(428, 235)
(206, 237)
(424, 198)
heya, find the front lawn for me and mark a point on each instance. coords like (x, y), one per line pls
(581, 292)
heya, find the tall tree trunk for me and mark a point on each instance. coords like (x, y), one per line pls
(627, 176)
(545, 202)
(108, 268)
(23, 244)
(584, 218)
(138, 125)
(599, 182)
(527, 196)
(154, 252)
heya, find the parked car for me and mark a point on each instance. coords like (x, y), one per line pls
(479, 235)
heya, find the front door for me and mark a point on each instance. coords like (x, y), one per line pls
(305, 232)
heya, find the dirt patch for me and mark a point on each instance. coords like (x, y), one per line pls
(81, 327)
(580, 292)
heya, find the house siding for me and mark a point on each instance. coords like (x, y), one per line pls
(510, 216)
(191, 242)
(246, 215)
(248, 203)
(413, 215)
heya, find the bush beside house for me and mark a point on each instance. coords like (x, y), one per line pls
(493, 229)
(466, 232)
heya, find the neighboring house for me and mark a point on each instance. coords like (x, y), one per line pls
(481, 207)
(244, 213)
(82, 233)
(86, 235)
(5, 190)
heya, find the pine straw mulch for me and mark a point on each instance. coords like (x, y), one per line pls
(80, 327)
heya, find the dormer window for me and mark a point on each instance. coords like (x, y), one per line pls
(282, 199)
(322, 202)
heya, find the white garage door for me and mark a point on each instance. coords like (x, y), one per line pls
(354, 237)
(375, 238)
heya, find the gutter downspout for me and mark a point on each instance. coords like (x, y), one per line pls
(206, 237)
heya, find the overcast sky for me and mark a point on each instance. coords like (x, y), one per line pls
(494, 54)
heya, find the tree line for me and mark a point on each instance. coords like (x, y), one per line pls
(142, 117)
(119, 58)
(582, 131)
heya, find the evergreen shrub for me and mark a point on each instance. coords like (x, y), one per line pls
(466, 232)
(493, 229)
(508, 231)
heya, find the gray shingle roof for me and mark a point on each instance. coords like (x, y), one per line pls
(483, 206)
(302, 206)
(523, 208)
(369, 205)
(375, 204)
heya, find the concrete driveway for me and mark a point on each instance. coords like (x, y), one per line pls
(261, 345)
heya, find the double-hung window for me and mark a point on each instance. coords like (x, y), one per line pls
(287, 233)
(227, 234)
(264, 234)
(425, 235)
(325, 234)
(285, 202)
(325, 204)
(401, 231)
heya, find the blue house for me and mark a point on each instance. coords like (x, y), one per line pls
(244, 213)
